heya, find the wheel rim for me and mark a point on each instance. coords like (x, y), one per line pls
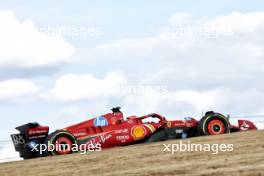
(216, 127)
(59, 145)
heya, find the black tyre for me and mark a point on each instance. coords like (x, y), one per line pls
(63, 141)
(27, 155)
(213, 124)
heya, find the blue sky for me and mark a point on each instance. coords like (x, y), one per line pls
(130, 51)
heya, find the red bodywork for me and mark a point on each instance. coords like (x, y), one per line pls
(112, 130)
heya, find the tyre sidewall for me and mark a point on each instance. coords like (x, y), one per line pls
(54, 136)
(203, 124)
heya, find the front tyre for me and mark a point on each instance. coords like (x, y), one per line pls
(213, 124)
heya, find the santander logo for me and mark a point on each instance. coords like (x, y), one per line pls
(34, 132)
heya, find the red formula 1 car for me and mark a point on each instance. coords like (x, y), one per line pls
(112, 130)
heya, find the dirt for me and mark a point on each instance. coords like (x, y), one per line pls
(246, 159)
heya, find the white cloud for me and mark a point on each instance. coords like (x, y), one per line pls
(72, 87)
(22, 45)
(176, 103)
(231, 40)
(240, 22)
(180, 18)
(232, 58)
(202, 72)
(15, 88)
(201, 100)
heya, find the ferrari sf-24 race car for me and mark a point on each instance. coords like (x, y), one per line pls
(111, 129)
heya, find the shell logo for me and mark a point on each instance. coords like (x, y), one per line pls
(138, 132)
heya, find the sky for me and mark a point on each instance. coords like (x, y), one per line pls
(67, 61)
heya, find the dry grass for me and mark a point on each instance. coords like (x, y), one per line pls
(247, 159)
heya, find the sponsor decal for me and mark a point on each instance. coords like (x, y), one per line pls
(121, 131)
(94, 135)
(36, 132)
(38, 136)
(188, 124)
(18, 139)
(122, 138)
(105, 137)
(79, 134)
(100, 121)
(178, 131)
(168, 124)
(138, 132)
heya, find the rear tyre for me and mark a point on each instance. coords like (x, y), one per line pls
(60, 143)
(26, 155)
(213, 124)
